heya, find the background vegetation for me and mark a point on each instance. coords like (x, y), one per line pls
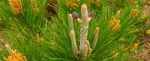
(40, 33)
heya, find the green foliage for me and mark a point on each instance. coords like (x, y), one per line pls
(40, 39)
